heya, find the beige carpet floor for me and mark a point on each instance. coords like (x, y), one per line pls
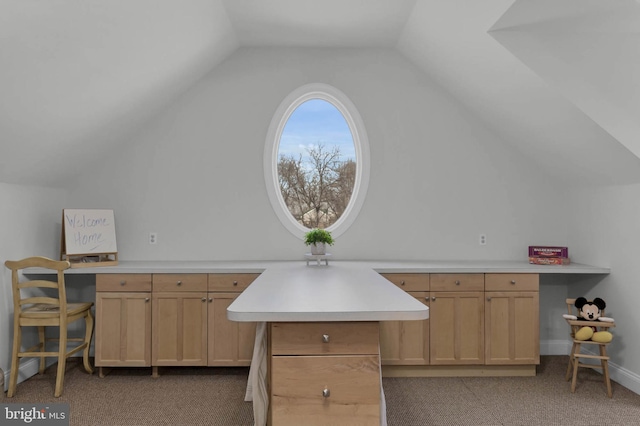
(185, 396)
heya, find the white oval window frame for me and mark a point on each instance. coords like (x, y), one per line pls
(360, 141)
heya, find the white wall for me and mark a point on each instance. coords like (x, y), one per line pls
(438, 177)
(29, 226)
(604, 229)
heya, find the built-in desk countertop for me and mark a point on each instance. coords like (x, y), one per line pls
(381, 266)
(343, 290)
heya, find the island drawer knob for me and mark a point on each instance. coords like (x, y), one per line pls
(326, 393)
(325, 338)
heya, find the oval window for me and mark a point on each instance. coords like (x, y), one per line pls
(316, 160)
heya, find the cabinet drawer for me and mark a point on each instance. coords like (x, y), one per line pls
(325, 390)
(230, 282)
(409, 282)
(511, 282)
(179, 282)
(457, 282)
(123, 282)
(321, 338)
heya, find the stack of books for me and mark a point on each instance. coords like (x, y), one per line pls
(548, 255)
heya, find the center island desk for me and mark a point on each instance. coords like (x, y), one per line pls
(317, 357)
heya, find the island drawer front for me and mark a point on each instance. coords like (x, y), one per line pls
(325, 390)
(409, 282)
(179, 282)
(457, 282)
(512, 282)
(324, 338)
(123, 282)
(230, 282)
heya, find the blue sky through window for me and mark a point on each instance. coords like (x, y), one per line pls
(316, 121)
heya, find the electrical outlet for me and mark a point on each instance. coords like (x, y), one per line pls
(153, 237)
(483, 239)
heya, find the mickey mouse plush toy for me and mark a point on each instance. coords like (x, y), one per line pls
(591, 311)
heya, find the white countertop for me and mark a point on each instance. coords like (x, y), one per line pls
(382, 266)
(340, 292)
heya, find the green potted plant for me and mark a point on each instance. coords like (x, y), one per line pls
(318, 239)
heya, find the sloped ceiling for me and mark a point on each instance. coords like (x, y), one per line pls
(558, 79)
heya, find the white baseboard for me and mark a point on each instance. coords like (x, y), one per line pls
(27, 369)
(626, 378)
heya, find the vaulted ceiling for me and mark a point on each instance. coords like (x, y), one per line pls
(558, 79)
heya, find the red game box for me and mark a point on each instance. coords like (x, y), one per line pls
(548, 251)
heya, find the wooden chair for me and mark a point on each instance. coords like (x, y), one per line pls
(576, 356)
(42, 307)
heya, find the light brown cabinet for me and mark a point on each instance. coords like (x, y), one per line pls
(230, 343)
(324, 373)
(512, 319)
(123, 320)
(179, 314)
(456, 315)
(170, 320)
(474, 320)
(406, 342)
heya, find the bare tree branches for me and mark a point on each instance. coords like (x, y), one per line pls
(317, 191)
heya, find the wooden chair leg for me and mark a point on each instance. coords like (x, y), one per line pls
(43, 348)
(62, 361)
(87, 340)
(576, 364)
(572, 359)
(605, 371)
(15, 361)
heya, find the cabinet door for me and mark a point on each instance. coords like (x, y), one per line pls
(230, 343)
(457, 328)
(179, 328)
(406, 342)
(123, 329)
(513, 327)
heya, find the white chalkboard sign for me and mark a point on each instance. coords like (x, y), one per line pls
(88, 236)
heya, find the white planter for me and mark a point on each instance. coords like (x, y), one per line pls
(318, 248)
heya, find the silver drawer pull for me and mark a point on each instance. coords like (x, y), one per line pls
(325, 338)
(235, 283)
(457, 282)
(179, 283)
(326, 393)
(513, 281)
(204, 299)
(402, 282)
(123, 282)
(146, 299)
(488, 299)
